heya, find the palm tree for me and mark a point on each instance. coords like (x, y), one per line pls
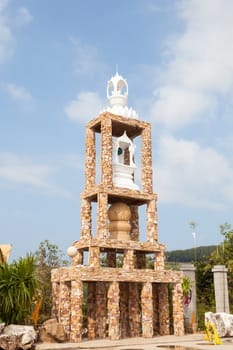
(18, 289)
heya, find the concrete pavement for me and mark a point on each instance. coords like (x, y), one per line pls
(191, 342)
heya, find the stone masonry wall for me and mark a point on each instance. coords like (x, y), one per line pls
(94, 257)
(101, 310)
(78, 258)
(155, 293)
(113, 311)
(147, 176)
(91, 312)
(85, 219)
(152, 231)
(76, 316)
(55, 300)
(90, 159)
(163, 309)
(134, 311)
(159, 261)
(64, 315)
(124, 315)
(128, 262)
(134, 234)
(178, 311)
(147, 310)
(106, 152)
(95, 274)
(121, 308)
(102, 215)
(113, 292)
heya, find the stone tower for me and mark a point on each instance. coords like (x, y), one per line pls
(120, 279)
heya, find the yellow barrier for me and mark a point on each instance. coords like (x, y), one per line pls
(211, 334)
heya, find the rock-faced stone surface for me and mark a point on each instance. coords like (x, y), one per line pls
(222, 321)
(52, 332)
(14, 337)
(122, 280)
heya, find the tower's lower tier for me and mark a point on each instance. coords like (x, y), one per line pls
(117, 303)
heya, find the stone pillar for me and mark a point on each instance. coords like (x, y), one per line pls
(151, 218)
(91, 310)
(134, 312)
(178, 315)
(101, 310)
(65, 304)
(124, 321)
(155, 308)
(90, 159)
(76, 317)
(221, 288)
(78, 258)
(106, 152)
(102, 215)
(190, 302)
(159, 261)
(113, 311)
(85, 219)
(128, 262)
(134, 233)
(163, 309)
(55, 299)
(146, 167)
(147, 310)
(94, 257)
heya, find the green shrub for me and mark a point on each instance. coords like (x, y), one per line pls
(18, 290)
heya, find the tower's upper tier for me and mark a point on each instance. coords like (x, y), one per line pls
(117, 94)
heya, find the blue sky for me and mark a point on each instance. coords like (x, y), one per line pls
(55, 60)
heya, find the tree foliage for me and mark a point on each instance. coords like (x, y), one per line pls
(223, 255)
(186, 286)
(205, 290)
(188, 255)
(48, 256)
(207, 258)
(18, 289)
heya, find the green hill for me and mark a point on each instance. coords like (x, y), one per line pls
(190, 255)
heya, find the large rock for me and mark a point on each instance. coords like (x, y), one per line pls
(52, 332)
(17, 337)
(222, 321)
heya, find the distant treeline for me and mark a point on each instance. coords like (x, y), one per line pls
(190, 255)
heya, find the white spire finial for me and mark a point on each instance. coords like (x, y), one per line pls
(117, 91)
(117, 94)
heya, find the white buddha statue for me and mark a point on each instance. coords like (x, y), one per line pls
(123, 162)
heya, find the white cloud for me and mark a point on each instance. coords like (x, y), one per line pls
(18, 170)
(86, 106)
(7, 38)
(24, 16)
(199, 64)
(192, 175)
(86, 57)
(20, 94)
(7, 41)
(179, 106)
